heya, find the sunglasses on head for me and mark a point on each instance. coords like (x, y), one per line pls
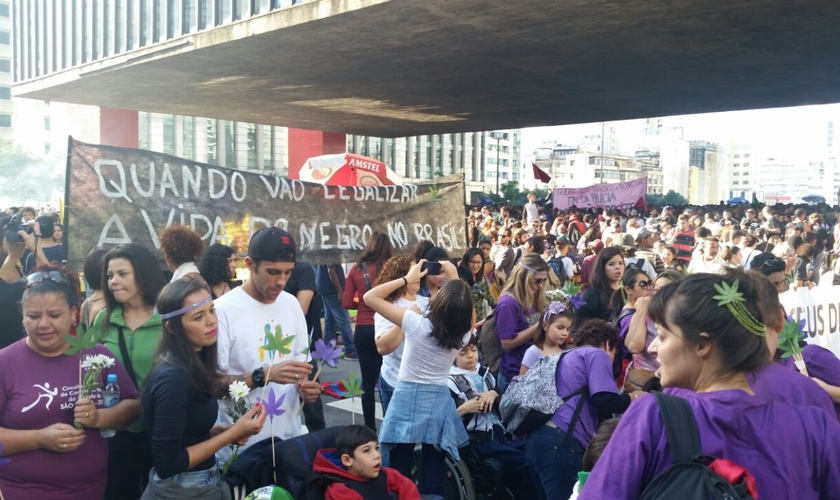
(644, 285)
(41, 276)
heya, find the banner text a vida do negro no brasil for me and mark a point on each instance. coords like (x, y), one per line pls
(118, 195)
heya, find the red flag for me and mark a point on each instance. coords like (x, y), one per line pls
(539, 174)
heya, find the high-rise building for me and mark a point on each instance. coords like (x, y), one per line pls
(707, 168)
(742, 172)
(6, 107)
(667, 144)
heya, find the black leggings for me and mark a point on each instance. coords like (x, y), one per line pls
(370, 362)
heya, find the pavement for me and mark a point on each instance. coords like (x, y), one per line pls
(344, 411)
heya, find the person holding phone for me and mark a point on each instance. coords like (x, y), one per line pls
(433, 279)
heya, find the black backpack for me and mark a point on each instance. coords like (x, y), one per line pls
(693, 476)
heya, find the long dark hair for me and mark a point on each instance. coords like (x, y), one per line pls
(147, 276)
(377, 250)
(465, 264)
(598, 276)
(451, 314)
(619, 297)
(213, 265)
(174, 348)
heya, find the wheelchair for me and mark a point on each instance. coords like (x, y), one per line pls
(471, 477)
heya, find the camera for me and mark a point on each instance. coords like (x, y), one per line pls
(433, 267)
(11, 229)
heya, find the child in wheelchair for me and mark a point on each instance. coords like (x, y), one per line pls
(474, 389)
(355, 465)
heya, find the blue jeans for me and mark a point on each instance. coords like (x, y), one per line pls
(385, 393)
(502, 382)
(337, 316)
(556, 464)
(519, 473)
(192, 479)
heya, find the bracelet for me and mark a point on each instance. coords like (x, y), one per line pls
(405, 281)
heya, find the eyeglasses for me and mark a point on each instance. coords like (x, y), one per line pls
(476, 262)
(41, 276)
(644, 285)
(540, 281)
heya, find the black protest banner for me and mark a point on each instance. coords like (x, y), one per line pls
(117, 195)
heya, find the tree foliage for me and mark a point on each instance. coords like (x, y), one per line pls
(511, 195)
(26, 179)
(670, 198)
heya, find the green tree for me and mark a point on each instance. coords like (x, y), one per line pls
(511, 195)
(670, 198)
(27, 179)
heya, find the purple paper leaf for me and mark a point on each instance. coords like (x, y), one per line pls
(274, 406)
(577, 301)
(327, 353)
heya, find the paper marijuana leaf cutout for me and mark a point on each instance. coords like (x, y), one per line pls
(352, 386)
(327, 353)
(86, 340)
(274, 405)
(790, 336)
(570, 289)
(728, 294)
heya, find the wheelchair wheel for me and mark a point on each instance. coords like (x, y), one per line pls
(459, 483)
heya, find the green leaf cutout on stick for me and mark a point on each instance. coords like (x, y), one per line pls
(353, 386)
(81, 341)
(276, 341)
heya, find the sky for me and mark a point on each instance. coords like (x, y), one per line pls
(781, 132)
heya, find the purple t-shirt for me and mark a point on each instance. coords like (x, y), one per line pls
(510, 320)
(779, 383)
(588, 366)
(793, 452)
(532, 355)
(36, 392)
(822, 364)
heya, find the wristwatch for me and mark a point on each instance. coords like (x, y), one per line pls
(258, 377)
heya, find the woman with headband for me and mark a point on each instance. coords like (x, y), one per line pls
(50, 439)
(179, 400)
(518, 313)
(710, 336)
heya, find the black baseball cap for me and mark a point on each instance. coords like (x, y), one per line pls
(272, 244)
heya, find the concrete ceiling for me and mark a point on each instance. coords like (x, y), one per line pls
(409, 67)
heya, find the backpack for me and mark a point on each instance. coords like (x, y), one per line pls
(693, 476)
(556, 264)
(574, 232)
(489, 345)
(531, 399)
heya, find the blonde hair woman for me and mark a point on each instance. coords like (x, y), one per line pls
(518, 313)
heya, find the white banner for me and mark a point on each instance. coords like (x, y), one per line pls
(820, 308)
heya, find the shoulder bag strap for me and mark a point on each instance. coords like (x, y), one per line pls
(366, 275)
(680, 427)
(584, 396)
(129, 366)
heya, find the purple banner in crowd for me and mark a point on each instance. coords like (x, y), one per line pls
(623, 195)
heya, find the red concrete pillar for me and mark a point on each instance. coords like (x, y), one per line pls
(304, 144)
(118, 127)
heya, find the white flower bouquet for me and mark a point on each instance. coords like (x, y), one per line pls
(92, 366)
(238, 392)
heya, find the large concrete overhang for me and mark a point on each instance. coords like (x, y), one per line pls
(411, 67)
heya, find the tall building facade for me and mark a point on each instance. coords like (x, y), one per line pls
(743, 171)
(572, 167)
(6, 106)
(707, 173)
(667, 144)
(482, 157)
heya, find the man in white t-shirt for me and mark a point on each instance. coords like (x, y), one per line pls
(257, 323)
(531, 211)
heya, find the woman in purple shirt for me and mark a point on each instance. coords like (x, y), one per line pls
(52, 437)
(518, 313)
(586, 384)
(707, 350)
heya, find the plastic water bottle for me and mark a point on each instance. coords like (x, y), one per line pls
(110, 397)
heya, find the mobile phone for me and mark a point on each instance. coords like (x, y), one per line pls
(432, 267)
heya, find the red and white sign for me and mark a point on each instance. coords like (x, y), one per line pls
(348, 169)
(623, 195)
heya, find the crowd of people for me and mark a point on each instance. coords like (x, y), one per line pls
(623, 303)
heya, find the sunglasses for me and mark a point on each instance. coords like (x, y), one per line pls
(774, 262)
(41, 276)
(644, 285)
(540, 281)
